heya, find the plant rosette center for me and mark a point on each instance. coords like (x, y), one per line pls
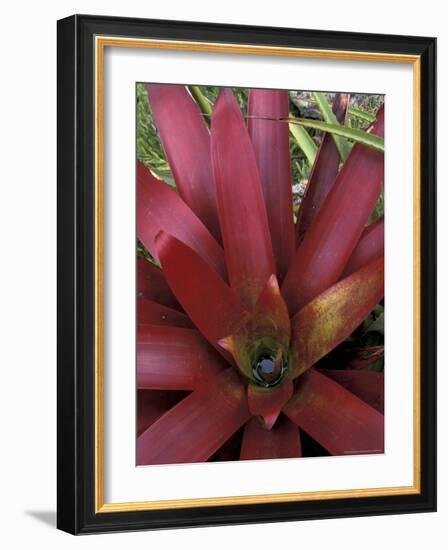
(269, 363)
(261, 353)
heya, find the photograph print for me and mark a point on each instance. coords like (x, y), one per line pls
(260, 274)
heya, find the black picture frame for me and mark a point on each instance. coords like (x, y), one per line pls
(76, 301)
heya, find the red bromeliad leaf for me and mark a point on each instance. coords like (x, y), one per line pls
(173, 358)
(283, 441)
(198, 426)
(331, 317)
(335, 417)
(159, 208)
(270, 315)
(334, 233)
(369, 247)
(151, 404)
(270, 140)
(186, 141)
(242, 212)
(210, 303)
(152, 313)
(323, 174)
(236, 346)
(268, 402)
(151, 284)
(367, 385)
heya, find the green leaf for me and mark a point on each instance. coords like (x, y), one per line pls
(363, 115)
(353, 134)
(377, 325)
(304, 141)
(202, 101)
(165, 175)
(330, 118)
(378, 366)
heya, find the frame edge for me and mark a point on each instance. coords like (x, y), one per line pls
(67, 454)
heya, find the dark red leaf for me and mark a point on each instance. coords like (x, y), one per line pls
(231, 448)
(159, 208)
(323, 173)
(367, 385)
(369, 247)
(270, 140)
(151, 284)
(198, 426)
(210, 303)
(151, 404)
(331, 317)
(242, 212)
(173, 358)
(186, 141)
(336, 229)
(335, 417)
(151, 313)
(283, 441)
(268, 402)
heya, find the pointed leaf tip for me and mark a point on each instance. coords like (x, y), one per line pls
(323, 173)
(244, 222)
(331, 238)
(210, 303)
(270, 316)
(159, 208)
(270, 140)
(370, 246)
(268, 402)
(186, 141)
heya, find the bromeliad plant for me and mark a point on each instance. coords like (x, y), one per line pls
(246, 301)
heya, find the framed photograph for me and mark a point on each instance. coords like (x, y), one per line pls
(246, 274)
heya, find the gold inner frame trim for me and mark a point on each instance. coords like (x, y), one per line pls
(101, 42)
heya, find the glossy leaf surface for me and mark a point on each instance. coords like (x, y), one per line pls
(198, 426)
(331, 317)
(159, 208)
(367, 385)
(334, 233)
(174, 358)
(151, 284)
(369, 247)
(283, 441)
(186, 141)
(242, 212)
(270, 140)
(152, 313)
(210, 303)
(337, 419)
